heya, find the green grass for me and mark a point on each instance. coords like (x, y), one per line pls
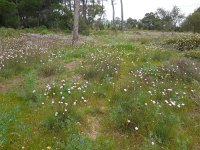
(125, 94)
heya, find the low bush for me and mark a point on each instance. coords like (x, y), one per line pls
(182, 43)
(193, 54)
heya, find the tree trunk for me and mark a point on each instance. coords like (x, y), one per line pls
(113, 7)
(84, 11)
(76, 23)
(122, 15)
(102, 5)
(70, 5)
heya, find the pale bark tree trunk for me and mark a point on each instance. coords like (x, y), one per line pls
(76, 22)
(102, 5)
(113, 7)
(122, 15)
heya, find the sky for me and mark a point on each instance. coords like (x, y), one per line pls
(136, 9)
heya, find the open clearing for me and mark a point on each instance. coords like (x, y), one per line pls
(126, 90)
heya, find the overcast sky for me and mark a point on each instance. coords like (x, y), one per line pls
(136, 9)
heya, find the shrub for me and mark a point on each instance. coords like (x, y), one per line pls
(193, 54)
(184, 42)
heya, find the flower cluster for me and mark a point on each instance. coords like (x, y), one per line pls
(63, 96)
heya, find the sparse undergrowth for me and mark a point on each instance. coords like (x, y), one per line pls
(120, 95)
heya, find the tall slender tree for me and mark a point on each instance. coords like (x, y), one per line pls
(113, 8)
(84, 7)
(122, 15)
(75, 37)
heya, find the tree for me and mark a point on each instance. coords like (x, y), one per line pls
(131, 23)
(94, 12)
(84, 2)
(169, 19)
(195, 22)
(9, 16)
(122, 15)
(192, 22)
(165, 19)
(151, 21)
(76, 23)
(102, 5)
(176, 16)
(113, 8)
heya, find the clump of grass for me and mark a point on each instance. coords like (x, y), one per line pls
(20, 62)
(13, 70)
(145, 40)
(63, 99)
(8, 32)
(160, 55)
(28, 90)
(128, 47)
(61, 121)
(7, 125)
(50, 69)
(105, 64)
(183, 69)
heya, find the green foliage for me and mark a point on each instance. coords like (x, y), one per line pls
(193, 54)
(9, 14)
(150, 21)
(8, 32)
(34, 13)
(131, 23)
(162, 19)
(83, 28)
(192, 22)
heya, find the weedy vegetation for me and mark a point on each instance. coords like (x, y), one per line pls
(120, 91)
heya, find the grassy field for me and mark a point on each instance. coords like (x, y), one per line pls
(132, 90)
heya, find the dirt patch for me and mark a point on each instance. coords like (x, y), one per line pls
(94, 127)
(73, 65)
(9, 84)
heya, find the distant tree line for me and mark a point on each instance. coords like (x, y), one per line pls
(164, 20)
(59, 14)
(49, 13)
